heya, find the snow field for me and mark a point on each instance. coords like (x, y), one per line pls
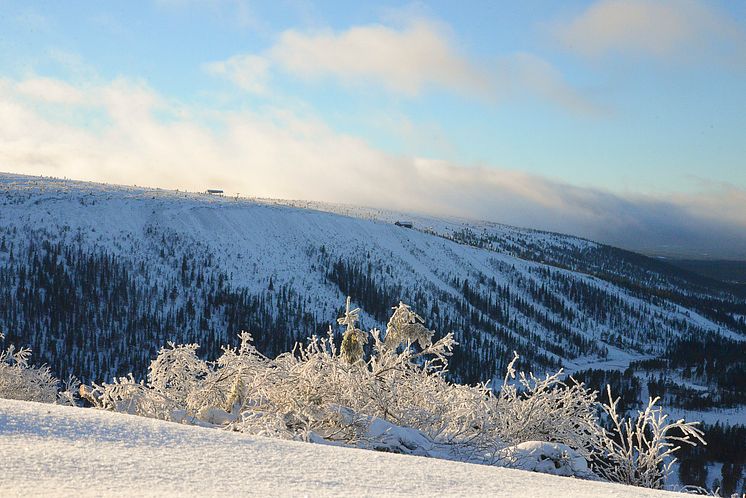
(51, 450)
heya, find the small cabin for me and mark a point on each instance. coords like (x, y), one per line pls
(405, 224)
(214, 191)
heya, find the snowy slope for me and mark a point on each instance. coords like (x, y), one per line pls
(295, 244)
(50, 450)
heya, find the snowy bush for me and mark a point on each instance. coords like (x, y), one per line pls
(548, 458)
(398, 399)
(639, 452)
(19, 380)
(547, 409)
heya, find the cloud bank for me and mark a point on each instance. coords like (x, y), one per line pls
(124, 132)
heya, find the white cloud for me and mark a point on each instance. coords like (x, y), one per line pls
(248, 72)
(280, 153)
(404, 61)
(681, 29)
(527, 75)
(50, 90)
(409, 61)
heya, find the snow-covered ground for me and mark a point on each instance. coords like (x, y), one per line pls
(55, 450)
(725, 416)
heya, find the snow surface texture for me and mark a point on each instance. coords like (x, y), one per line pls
(64, 451)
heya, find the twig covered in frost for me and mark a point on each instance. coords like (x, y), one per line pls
(640, 452)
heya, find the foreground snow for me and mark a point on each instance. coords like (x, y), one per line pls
(57, 450)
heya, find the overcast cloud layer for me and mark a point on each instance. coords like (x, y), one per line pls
(143, 138)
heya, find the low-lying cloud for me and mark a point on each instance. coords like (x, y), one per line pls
(140, 137)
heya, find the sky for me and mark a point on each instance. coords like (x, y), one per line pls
(623, 121)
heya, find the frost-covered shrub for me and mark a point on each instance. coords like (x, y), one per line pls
(639, 452)
(181, 387)
(546, 409)
(397, 399)
(22, 381)
(547, 458)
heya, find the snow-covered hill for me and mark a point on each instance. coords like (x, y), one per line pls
(96, 278)
(51, 450)
(498, 288)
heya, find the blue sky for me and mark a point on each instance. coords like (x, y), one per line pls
(595, 117)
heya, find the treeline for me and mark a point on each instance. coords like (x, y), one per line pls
(624, 385)
(648, 278)
(91, 315)
(485, 334)
(716, 362)
(724, 444)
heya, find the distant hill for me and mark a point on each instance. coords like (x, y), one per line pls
(723, 270)
(97, 277)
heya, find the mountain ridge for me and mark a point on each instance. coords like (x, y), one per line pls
(254, 242)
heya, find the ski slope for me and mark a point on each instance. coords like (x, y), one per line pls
(294, 243)
(51, 450)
